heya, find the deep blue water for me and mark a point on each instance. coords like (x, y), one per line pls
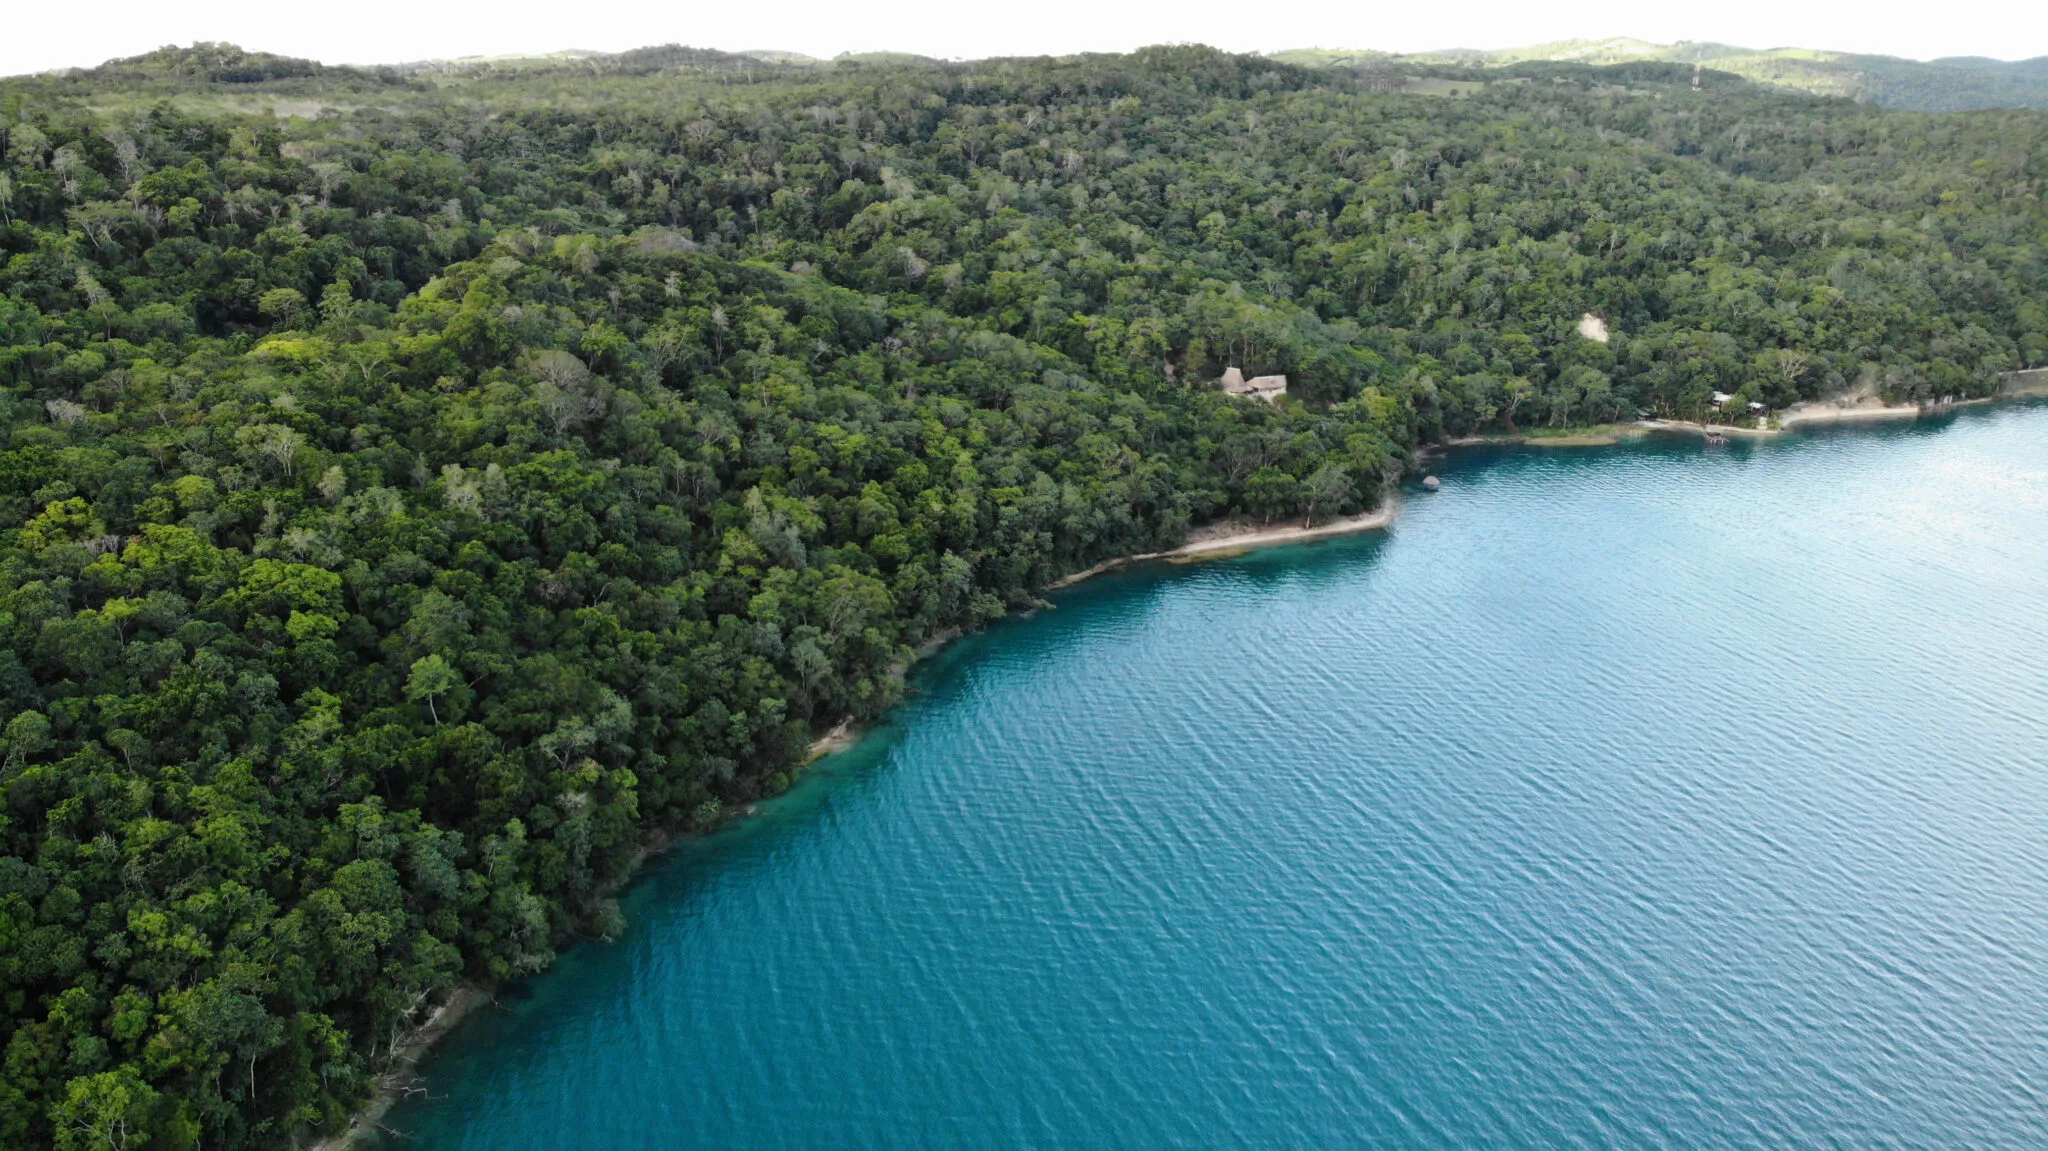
(1655, 796)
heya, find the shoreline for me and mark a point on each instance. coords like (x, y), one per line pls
(1230, 537)
(2026, 384)
(1806, 413)
(460, 1004)
(841, 737)
(1216, 540)
(1589, 436)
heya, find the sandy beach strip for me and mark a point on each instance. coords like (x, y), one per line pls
(1836, 413)
(1232, 536)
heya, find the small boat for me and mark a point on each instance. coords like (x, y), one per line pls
(1431, 483)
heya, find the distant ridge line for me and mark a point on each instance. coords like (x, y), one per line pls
(1948, 84)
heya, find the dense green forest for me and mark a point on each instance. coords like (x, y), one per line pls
(417, 486)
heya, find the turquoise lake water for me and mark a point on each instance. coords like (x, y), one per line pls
(1655, 796)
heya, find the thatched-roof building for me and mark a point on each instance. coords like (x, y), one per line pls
(1266, 388)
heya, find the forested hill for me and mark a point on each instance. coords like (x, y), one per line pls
(1951, 84)
(418, 486)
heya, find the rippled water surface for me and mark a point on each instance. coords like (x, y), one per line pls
(1658, 796)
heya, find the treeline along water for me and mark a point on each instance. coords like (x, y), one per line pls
(408, 503)
(1651, 796)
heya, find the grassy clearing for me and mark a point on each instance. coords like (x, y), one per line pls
(1431, 86)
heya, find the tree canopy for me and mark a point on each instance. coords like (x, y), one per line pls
(418, 486)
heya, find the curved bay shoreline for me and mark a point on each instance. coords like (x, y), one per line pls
(1217, 540)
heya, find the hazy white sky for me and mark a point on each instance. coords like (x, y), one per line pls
(37, 34)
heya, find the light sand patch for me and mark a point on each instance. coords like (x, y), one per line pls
(1589, 440)
(1707, 429)
(1214, 541)
(838, 739)
(1843, 411)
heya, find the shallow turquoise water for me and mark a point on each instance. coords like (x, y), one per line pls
(1660, 796)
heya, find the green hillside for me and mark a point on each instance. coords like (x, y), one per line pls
(1948, 85)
